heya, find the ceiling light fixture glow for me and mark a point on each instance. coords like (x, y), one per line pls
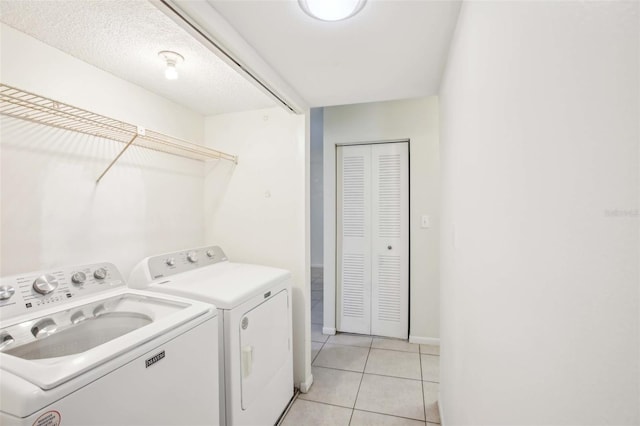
(331, 10)
(171, 73)
(172, 59)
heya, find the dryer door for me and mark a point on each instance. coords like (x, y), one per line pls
(264, 347)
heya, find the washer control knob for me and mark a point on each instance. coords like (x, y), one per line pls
(6, 291)
(210, 253)
(170, 261)
(77, 317)
(78, 277)
(44, 328)
(5, 340)
(45, 284)
(192, 257)
(100, 274)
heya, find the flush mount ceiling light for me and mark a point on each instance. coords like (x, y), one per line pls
(331, 10)
(172, 59)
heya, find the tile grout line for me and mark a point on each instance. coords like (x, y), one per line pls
(394, 377)
(360, 409)
(350, 346)
(339, 369)
(397, 350)
(392, 415)
(381, 349)
(373, 374)
(360, 385)
(424, 405)
(324, 403)
(314, 358)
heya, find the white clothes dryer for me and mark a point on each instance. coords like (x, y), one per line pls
(254, 312)
(77, 347)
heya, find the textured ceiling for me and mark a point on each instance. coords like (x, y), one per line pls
(392, 49)
(124, 38)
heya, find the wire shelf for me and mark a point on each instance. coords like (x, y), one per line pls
(27, 106)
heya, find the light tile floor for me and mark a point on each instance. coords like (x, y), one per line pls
(366, 380)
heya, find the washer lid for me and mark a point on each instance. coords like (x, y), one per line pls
(53, 349)
(225, 284)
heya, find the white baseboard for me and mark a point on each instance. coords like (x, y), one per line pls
(329, 330)
(440, 410)
(425, 340)
(306, 385)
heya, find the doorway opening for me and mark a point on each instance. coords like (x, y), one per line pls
(372, 239)
(316, 220)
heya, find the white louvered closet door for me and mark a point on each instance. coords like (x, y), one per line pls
(390, 240)
(354, 242)
(373, 243)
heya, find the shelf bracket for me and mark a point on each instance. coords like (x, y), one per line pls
(117, 157)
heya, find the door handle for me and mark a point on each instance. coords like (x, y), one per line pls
(389, 247)
(247, 360)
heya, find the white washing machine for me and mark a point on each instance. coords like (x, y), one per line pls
(77, 347)
(254, 314)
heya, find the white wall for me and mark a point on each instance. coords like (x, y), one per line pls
(540, 277)
(317, 194)
(417, 120)
(256, 211)
(52, 211)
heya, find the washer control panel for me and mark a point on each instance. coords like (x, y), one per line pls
(31, 292)
(169, 264)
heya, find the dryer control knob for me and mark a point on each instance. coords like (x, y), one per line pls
(210, 254)
(6, 291)
(45, 284)
(192, 257)
(78, 277)
(100, 274)
(170, 261)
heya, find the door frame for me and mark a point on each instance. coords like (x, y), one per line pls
(330, 302)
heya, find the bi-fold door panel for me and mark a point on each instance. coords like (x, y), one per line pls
(390, 236)
(372, 249)
(354, 252)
